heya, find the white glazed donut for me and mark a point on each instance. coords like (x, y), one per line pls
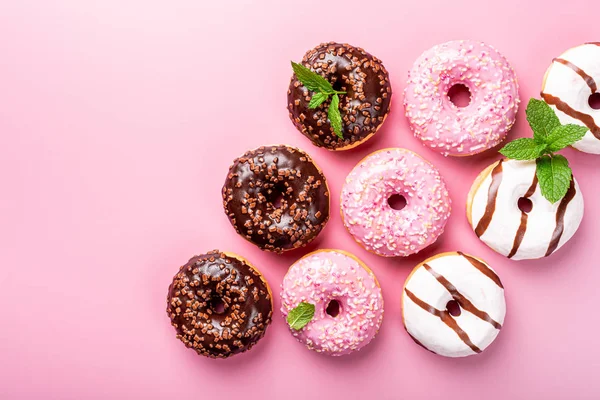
(461, 278)
(494, 214)
(569, 82)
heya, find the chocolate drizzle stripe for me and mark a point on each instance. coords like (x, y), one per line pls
(523, 225)
(594, 43)
(586, 119)
(446, 319)
(560, 219)
(588, 79)
(485, 220)
(484, 269)
(462, 300)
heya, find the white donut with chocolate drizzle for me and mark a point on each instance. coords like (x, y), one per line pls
(468, 282)
(569, 82)
(495, 216)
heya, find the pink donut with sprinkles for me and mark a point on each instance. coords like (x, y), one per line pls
(370, 217)
(347, 300)
(484, 122)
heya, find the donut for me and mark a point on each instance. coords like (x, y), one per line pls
(461, 131)
(334, 276)
(219, 304)
(453, 305)
(570, 81)
(364, 107)
(276, 197)
(494, 214)
(371, 220)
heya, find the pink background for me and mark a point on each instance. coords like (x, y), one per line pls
(119, 120)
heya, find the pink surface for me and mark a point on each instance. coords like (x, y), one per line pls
(119, 120)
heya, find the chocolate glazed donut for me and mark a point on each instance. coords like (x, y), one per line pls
(276, 197)
(219, 304)
(364, 107)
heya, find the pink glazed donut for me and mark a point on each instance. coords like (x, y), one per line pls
(370, 218)
(334, 276)
(461, 131)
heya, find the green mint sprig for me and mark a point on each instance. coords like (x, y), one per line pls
(301, 315)
(549, 136)
(323, 89)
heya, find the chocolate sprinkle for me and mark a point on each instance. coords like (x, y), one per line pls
(276, 197)
(214, 278)
(364, 107)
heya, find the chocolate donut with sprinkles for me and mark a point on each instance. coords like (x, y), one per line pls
(364, 89)
(276, 197)
(219, 304)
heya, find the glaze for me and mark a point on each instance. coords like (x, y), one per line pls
(494, 214)
(452, 130)
(568, 84)
(326, 275)
(364, 107)
(370, 219)
(209, 282)
(276, 197)
(465, 280)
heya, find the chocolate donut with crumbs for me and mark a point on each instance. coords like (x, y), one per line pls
(276, 197)
(360, 82)
(219, 304)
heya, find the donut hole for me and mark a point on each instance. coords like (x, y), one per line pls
(397, 202)
(594, 101)
(460, 95)
(333, 308)
(337, 85)
(277, 200)
(453, 308)
(217, 305)
(525, 204)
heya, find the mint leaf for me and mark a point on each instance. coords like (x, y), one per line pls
(317, 99)
(554, 176)
(549, 136)
(542, 119)
(316, 83)
(523, 149)
(335, 118)
(301, 315)
(565, 135)
(311, 80)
